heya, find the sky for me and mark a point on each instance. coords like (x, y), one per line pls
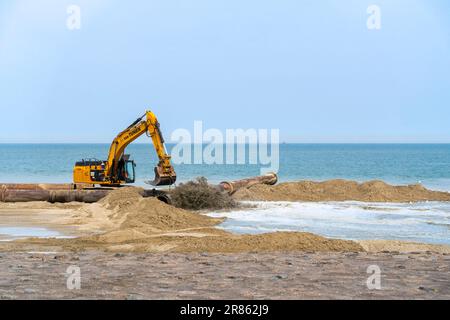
(310, 68)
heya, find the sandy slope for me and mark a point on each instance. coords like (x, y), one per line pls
(402, 246)
(340, 190)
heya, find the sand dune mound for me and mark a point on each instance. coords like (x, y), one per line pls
(340, 190)
(159, 215)
(268, 242)
(138, 211)
(136, 217)
(126, 208)
(122, 199)
(213, 240)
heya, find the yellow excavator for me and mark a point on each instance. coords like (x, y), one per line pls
(119, 169)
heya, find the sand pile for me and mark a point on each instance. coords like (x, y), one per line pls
(198, 195)
(122, 199)
(138, 217)
(125, 208)
(211, 240)
(402, 246)
(340, 190)
(277, 241)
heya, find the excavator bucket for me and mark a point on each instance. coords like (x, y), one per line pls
(163, 177)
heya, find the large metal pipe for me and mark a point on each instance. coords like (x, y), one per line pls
(44, 186)
(232, 186)
(16, 195)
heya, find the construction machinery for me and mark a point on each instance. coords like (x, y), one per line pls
(119, 169)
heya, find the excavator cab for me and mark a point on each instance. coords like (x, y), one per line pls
(126, 169)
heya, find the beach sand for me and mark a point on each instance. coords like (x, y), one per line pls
(279, 275)
(340, 190)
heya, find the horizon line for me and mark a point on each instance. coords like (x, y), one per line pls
(171, 143)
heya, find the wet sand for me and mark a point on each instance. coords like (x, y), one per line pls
(282, 275)
(42, 216)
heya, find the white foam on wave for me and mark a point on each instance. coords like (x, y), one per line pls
(424, 222)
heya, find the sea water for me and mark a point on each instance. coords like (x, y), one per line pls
(14, 233)
(427, 222)
(428, 164)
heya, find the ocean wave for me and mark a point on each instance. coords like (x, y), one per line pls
(424, 222)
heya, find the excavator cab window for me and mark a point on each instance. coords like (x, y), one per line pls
(129, 171)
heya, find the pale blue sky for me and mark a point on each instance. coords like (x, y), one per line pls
(310, 68)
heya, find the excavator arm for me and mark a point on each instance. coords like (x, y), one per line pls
(164, 172)
(148, 123)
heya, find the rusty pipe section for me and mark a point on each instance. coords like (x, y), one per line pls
(48, 192)
(45, 186)
(232, 186)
